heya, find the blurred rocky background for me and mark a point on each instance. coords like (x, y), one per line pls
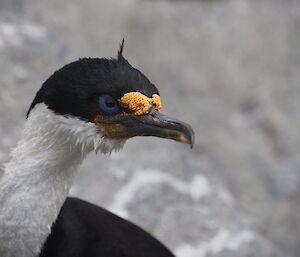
(228, 67)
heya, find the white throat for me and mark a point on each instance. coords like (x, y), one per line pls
(38, 177)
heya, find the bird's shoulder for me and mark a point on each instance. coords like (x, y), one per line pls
(84, 229)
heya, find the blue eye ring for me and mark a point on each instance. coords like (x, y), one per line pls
(108, 105)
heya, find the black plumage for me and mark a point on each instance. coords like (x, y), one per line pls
(86, 230)
(74, 89)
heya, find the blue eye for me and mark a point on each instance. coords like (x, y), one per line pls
(108, 105)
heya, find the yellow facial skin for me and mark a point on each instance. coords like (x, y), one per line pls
(139, 104)
(135, 104)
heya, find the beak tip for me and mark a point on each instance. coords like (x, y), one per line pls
(192, 140)
(192, 145)
(190, 136)
(187, 137)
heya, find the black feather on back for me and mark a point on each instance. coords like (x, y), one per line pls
(83, 229)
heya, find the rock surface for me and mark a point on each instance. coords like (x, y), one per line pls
(228, 67)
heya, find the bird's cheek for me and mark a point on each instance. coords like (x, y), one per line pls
(117, 131)
(111, 130)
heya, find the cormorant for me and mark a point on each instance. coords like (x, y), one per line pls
(93, 104)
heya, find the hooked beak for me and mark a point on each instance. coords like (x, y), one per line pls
(152, 124)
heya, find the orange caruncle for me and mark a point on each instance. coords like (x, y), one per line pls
(140, 104)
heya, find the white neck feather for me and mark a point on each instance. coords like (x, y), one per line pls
(38, 177)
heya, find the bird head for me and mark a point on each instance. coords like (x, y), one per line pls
(117, 101)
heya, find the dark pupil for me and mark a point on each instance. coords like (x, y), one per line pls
(110, 102)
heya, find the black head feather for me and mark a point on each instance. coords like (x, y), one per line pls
(75, 88)
(120, 52)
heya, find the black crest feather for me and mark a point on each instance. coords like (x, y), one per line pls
(74, 89)
(120, 52)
